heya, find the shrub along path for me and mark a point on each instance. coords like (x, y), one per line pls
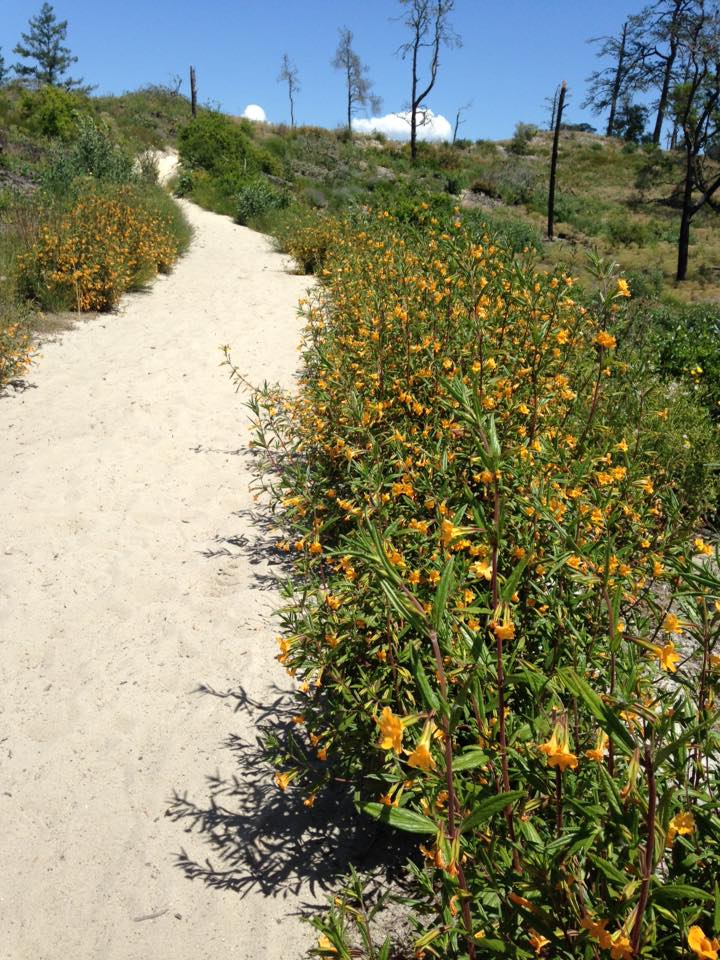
(125, 584)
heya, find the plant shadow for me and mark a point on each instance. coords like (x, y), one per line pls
(260, 838)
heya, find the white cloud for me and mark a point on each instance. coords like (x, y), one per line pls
(253, 112)
(397, 126)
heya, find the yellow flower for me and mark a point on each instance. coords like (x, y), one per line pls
(620, 947)
(557, 748)
(282, 780)
(606, 340)
(420, 757)
(682, 824)
(622, 288)
(598, 752)
(596, 929)
(391, 729)
(537, 941)
(702, 547)
(325, 944)
(503, 631)
(701, 945)
(671, 624)
(668, 656)
(481, 569)
(448, 532)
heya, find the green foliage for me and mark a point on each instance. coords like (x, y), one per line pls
(491, 500)
(44, 46)
(516, 235)
(89, 251)
(91, 154)
(50, 112)
(687, 344)
(256, 197)
(15, 341)
(214, 143)
(520, 143)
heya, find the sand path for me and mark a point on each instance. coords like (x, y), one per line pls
(125, 583)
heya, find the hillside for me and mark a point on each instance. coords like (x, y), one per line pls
(616, 197)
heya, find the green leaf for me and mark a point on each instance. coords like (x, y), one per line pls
(399, 817)
(442, 593)
(611, 872)
(490, 946)
(486, 809)
(611, 724)
(716, 915)
(470, 758)
(679, 891)
(431, 698)
(512, 581)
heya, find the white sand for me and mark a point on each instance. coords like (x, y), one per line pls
(120, 473)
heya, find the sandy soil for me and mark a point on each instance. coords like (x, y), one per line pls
(129, 579)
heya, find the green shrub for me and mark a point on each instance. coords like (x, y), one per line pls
(686, 342)
(50, 112)
(520, 143)
(91, 154)
(511, 233)
(257, 197)
(213, 142)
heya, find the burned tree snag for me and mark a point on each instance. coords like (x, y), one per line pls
(553, 161)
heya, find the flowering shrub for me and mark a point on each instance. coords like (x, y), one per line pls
(506, 633)
(106, 244)
(15, 346)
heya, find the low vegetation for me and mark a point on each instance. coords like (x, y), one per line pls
(83, 218)
(502, 622)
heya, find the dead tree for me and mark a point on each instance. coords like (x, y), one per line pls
(193, 92)
(554, 160)
(289, 75)
(428, 22)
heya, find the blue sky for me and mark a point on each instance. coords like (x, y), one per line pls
(514, 52)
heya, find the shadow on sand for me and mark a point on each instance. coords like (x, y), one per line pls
(259, 838)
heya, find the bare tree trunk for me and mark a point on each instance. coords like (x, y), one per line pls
(685, 220)
(554, 160)
(413, 108)
(193, 92)
(662, 103)
(618, 83)
(554, 108)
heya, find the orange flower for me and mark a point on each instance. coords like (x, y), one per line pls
(702, 946)
(667, 656)
(605, 340)
(557, 748)
(537, 941)
(421, 758)
(391, 729)
(682, 825)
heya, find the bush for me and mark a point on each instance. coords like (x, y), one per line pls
(92, 154)
(490, 521)
(15, 342)
(520, 143)
(307, 236)
(257, 197)
(686, 342)
(515, 235)
(50, 112)
(105, 244)
(213, 142)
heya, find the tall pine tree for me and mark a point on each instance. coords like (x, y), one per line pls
(44, 46)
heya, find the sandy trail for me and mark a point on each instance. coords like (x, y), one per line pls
(125, 583)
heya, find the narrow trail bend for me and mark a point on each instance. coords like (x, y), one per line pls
(125, 584)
